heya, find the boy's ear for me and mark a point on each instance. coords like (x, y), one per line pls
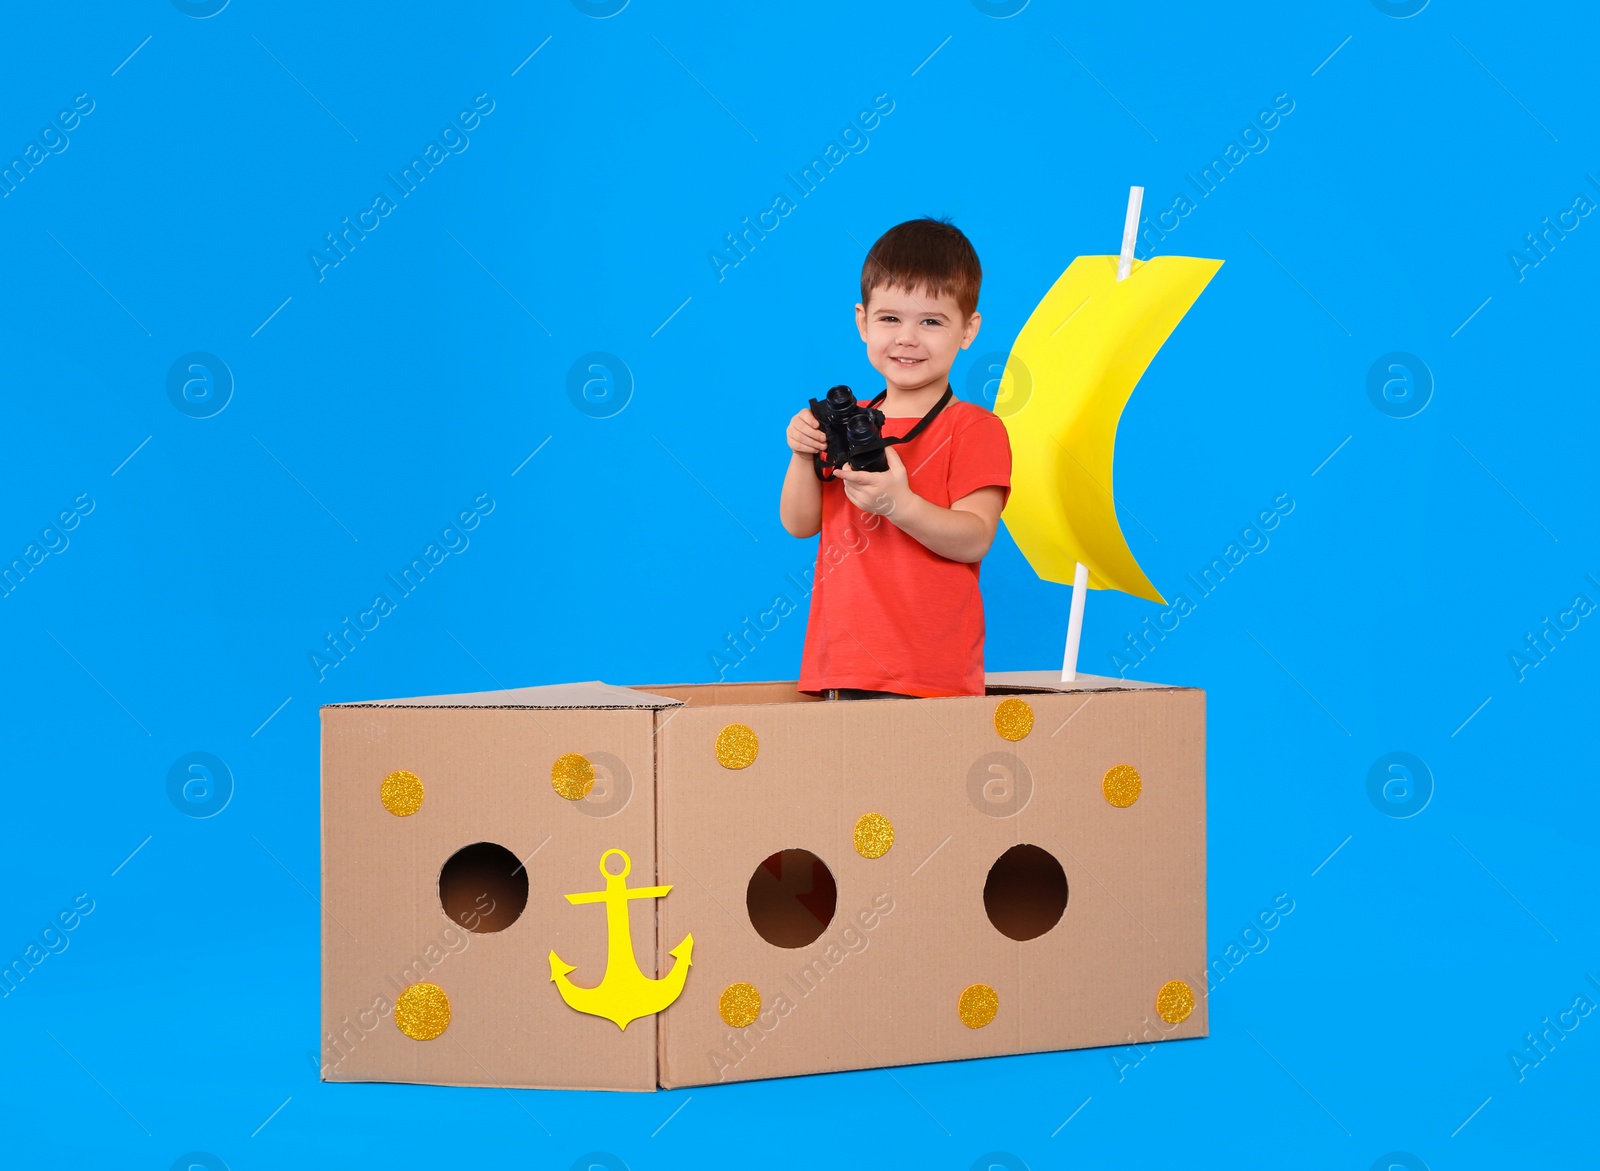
(972, 329)
(861, 320)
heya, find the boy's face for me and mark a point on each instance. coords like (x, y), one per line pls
(913, 338)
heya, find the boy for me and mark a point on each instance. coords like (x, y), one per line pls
(895, 607)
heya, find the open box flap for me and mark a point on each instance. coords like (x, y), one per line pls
(1051, 681)
(592, 694)
(597, 695)
(996, 682)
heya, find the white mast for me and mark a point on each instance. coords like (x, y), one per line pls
(1080, 573)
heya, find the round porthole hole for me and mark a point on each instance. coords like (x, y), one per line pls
(791, 898)
(1025, 893)
(483, 887)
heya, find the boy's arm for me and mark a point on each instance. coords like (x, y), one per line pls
(962, 532)
(800, 505)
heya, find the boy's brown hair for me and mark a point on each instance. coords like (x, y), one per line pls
(927, 252)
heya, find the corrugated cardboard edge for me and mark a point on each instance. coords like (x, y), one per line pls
(697, 1086)
(465, 1085)
(1051, 681)
(592, 694)
(603, 696)
(660, 1021)
(322, 884)
(997, 683)
(1205, 858)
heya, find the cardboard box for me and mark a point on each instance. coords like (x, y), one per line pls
(484, 762)
(1009, 873)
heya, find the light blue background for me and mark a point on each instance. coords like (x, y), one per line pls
(425, 368)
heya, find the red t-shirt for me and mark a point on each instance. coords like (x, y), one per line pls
(887, 613)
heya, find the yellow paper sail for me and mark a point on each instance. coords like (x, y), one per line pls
(1069, 375)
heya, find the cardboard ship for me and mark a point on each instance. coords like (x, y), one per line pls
(594, 886)
(605, 887)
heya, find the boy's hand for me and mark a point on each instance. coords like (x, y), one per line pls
(878, 492)
(805, 434)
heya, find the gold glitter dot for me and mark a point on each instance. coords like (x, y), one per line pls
(1175, 1001)
(1122, 785)
(874, 835)
(977, 1006)
(422, 1012)
(572, 776)
(740, 1005)
(401, 793)
(736, 746)
(1013, 719)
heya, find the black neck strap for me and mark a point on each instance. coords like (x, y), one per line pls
(922, 423)
(921, 426)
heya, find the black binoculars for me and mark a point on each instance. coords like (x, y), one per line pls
(854, 434)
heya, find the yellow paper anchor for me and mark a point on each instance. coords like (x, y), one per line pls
(625, 993)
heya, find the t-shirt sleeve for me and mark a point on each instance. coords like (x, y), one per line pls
(980, 456)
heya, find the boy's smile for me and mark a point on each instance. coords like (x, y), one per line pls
(912, 340)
